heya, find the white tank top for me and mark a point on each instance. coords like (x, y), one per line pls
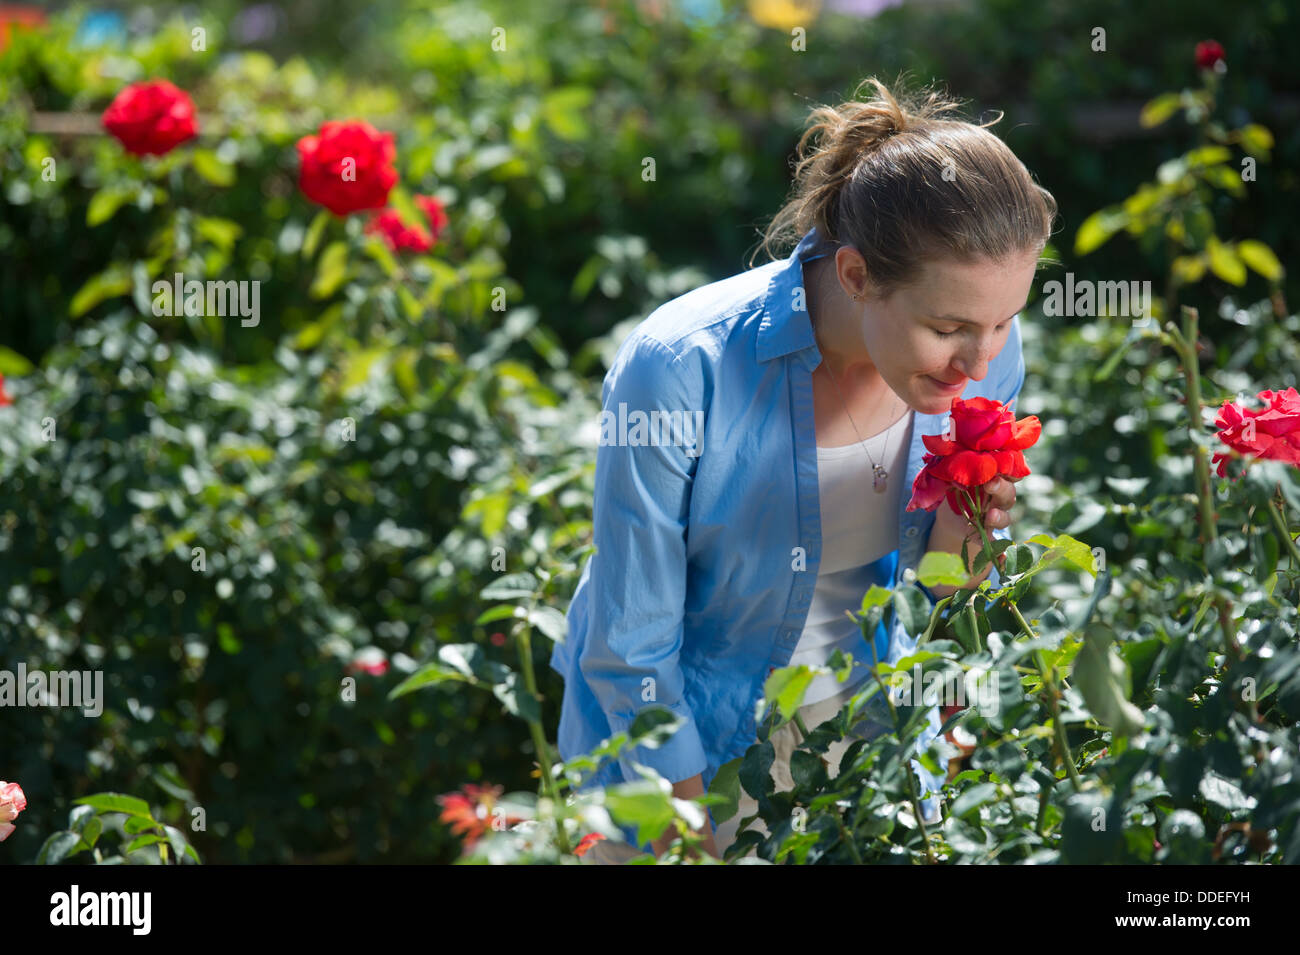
(859, 527)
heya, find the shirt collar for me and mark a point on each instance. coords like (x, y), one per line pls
(784, 328)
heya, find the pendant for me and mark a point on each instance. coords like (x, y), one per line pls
(878, 483)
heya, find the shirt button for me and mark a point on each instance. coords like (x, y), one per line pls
(912, 532)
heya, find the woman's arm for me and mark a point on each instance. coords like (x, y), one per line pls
(637, 586)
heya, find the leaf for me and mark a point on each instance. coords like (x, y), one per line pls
(1260, 258)
(137, 824)
(642, 804)
(786, 687)
(116, 802)
(139, 842)
(550, 622)
(314, 233)
(357, 367)
(105, 203)
(912, 609)
(510, 587)
(110, 283)
(331, 271)
(220, 232)
(1097, 228)
(1256, 140)
(937, 568)
(1102, 676)
(1224, 262)
(13, 364)
(499, 612)
(58, 847)
(90, 834)
(1159, 109)
(215, 170)
(176, 839)
(1188, 269)
(726, 783)
(878, 596)
(431, 674)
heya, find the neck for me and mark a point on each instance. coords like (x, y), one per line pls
(837, 325)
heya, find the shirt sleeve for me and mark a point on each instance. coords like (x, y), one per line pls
(637, 589)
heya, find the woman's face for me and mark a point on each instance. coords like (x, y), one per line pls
(946, 328)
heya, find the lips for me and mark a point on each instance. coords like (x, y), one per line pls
(945, 384)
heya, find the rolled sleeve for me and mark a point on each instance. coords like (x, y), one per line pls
(631, 659)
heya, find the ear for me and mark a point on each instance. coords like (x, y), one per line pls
(851, 270)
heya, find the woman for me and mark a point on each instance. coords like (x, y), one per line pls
(727, 550)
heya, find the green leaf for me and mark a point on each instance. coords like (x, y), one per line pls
(110, 283)
(912, 609)
(431, 674)
(13, 364)
(1256, 140)
(1019, 559)
(1224, 262)
(213, 169)
(550, 622)
(500, 612)
(1102, 676)
(314, 233)
(877, 596)
(137, 824)
(1159, 109)
(58, 847)
(726, 783)
(116, 802)
(1260, 258)
(940, 569)
(1097, 228)
(642, 804)
(105, 203)
(510, 587)
(331, 271)
(176, 839)
(220, 232)
(90, 834)
(786, 687)
(139, 842)
(79, 816)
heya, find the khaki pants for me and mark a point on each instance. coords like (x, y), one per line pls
(784, 741)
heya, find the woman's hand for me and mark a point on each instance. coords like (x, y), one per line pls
(951, 529)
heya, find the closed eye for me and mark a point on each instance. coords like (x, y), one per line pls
(956, 330)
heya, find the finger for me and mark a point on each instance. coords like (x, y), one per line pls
(996, 518)
(1002, 493)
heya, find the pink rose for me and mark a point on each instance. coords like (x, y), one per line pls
(12, 802)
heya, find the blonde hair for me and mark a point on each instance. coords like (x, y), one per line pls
(901, 181)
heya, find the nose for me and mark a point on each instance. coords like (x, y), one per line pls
(973, 362)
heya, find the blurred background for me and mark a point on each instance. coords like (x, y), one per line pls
(325, 557)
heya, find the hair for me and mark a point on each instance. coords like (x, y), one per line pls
(875, 180)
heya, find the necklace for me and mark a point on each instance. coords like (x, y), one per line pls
(881, 476)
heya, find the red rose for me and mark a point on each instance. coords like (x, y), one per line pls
(151, 118)
(436, 213)
(1271, 433)
(398, 236)
(470, 811)
(498, 639)
(987, 441)
(589, 840)
(1209, 53)
(347, 167)
(4, 396)
(12, 802)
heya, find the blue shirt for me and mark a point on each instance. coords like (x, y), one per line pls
(692, 596)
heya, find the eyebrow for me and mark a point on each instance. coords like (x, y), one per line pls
(967, 321)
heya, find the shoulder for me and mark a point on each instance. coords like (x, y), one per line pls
(691, 332)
